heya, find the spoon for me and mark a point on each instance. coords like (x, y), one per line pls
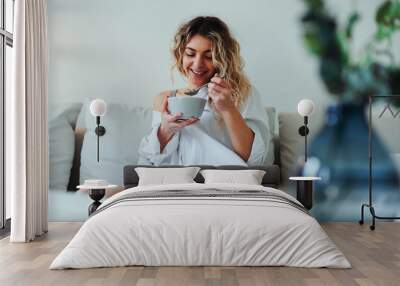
(195, 91)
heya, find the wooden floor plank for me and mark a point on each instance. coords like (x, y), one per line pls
(374, 255)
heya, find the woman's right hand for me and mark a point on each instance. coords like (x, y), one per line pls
(170, 124)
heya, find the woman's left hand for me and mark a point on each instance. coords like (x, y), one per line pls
(221, 95)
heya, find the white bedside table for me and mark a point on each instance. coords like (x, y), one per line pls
(304, 191)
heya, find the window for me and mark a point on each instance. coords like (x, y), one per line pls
(6, 44)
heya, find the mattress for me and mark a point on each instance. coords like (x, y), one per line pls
(201, 225)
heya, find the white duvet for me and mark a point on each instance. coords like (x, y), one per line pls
(200, 231)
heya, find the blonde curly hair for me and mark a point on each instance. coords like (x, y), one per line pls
(225, 52)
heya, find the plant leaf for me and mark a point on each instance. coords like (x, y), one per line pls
(315, 4)
(313, 43)
(383, 12)
(388, 14)
(383, 32)
(353, 19)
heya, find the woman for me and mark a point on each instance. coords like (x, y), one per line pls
(233, 127)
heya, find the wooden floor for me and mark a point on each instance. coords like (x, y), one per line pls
(374, 255)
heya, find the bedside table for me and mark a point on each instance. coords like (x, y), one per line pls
(304, 191)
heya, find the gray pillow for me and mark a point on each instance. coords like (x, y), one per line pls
(125, 127)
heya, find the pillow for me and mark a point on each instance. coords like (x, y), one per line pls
(248, 177)
(163, 176)
(61, 150)
(125, 127)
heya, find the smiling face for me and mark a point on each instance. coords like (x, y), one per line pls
(197, 61)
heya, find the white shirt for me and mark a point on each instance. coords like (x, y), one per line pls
(207, 141)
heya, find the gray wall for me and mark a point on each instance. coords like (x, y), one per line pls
(119, 50)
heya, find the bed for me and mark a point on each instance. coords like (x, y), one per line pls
(198, 224)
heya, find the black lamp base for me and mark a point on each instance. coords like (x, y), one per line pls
(305, 193)
(100, 130)
(303, 130)
(96, 195)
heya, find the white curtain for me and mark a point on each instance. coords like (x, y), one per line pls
(28, 122)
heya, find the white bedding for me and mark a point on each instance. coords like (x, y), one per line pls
(200, 231)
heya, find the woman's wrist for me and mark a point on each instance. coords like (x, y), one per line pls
(227, 114)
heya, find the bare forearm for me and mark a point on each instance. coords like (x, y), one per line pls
(163, 137)
(241, 135)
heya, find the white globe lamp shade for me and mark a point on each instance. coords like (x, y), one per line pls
(305, 107)
(98, 107)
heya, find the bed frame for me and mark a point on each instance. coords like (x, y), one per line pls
(272, 177)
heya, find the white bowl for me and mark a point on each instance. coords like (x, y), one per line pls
(189, 106)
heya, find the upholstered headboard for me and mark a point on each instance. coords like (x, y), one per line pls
(270, 179)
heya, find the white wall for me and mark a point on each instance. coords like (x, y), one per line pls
(119, 50)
